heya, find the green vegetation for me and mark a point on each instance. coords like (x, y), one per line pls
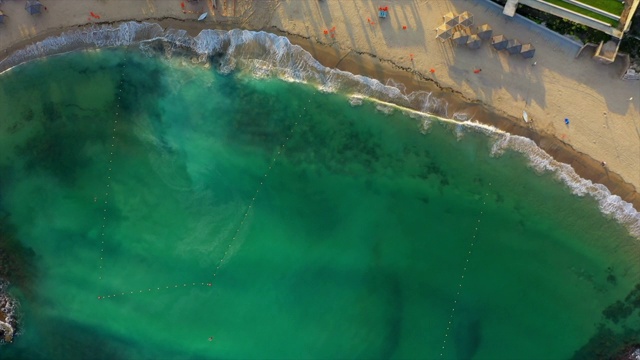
(563, 26)
(611, 6)
(630, 46)
(585, 33)
(585, 12)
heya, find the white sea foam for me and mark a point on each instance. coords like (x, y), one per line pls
(384, 109)
(541, 162)
(356, 100)
(267, 55)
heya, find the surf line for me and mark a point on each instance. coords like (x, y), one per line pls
(110, 156)
(474, 239)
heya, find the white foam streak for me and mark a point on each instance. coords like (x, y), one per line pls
(541, 162)
(267, 55)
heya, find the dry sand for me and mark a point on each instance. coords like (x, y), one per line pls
(605, 123)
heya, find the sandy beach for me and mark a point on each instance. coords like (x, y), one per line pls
(604, 111)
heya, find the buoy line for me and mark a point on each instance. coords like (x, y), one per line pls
(474, 238)
(154, 289)
(281, 149)
(108, 189)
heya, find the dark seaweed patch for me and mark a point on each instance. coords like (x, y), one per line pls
(253, 123)
(51, 112)
(17, 262)
(139, 86)
(67, 339)
(609, 342)
(56, 151)
(27, 114)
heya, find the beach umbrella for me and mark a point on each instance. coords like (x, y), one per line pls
(527, 51)
(443, 32)
(33, 7)
(474, 42)
(465, 19)
(499, 42)
(450, 19)
(485, 32)
(460, 38)
(513, 46)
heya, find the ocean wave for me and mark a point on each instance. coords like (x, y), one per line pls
(263, 54)
(541, 162)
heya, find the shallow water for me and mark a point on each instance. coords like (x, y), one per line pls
(167, 204)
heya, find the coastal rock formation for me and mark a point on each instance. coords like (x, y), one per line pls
(8, 321)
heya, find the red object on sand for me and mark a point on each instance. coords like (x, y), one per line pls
(404, 27)
(477, 71)
(433, 71)
(182, 4)
(326, 32)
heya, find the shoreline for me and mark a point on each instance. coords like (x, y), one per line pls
(585, 166)
(381, 69)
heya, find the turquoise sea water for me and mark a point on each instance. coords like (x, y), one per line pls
(166, 203)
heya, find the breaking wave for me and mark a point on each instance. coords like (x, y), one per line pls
(268, 55)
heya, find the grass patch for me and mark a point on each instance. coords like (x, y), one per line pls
(582, 11)
(562, 26)
(611, 6)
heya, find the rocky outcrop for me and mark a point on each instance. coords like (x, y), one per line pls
(7, 331)
(8, 321)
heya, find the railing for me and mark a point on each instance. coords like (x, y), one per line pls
(593, 9)
(573, 16)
